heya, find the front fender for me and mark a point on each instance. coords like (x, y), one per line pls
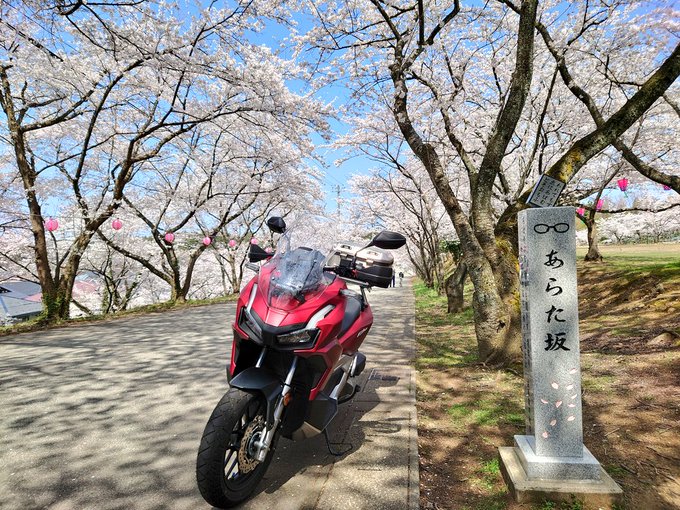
(260, 380)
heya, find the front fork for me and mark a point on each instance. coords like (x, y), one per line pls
(264, 444)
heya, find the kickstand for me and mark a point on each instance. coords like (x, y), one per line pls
(331, 450)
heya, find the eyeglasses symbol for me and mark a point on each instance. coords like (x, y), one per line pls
(542, 228)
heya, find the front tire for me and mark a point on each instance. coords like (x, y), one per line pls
(226, 471)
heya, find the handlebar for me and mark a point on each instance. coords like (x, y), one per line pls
(341, 271)
(347, 274)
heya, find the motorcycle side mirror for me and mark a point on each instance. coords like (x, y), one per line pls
(388, 240)
(276, 224)
(257, 254)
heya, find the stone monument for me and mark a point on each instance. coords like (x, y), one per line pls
(551, 461)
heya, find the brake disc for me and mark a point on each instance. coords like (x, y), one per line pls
(246, 453)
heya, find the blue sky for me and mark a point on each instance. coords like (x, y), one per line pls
(273, 36)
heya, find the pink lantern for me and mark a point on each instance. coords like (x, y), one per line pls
(268, 249)
(600, 203)
(207, 241)
(253, 241)
(116, 224)
(622, 184)
(666, 187)
(169, 237)
(232, 243)
(51, 225)
(580, 211)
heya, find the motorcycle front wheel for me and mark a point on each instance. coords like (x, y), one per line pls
(227, 471)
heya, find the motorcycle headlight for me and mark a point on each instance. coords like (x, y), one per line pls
(301, 336)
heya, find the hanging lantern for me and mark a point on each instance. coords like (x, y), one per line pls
(622, 184)
(232, 243)
(600, 203)
(207, 241)
(581, 211)
(51, 225)
(253, 241)
(268, 249)
(169, 237)
(666, 187)
(116, 224)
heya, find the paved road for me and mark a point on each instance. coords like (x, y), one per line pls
(110, 415)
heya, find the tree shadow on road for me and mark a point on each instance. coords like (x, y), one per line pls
(347, 433)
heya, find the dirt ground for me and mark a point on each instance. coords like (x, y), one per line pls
(630, 340)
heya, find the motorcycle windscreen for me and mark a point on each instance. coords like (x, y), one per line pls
(296, 277)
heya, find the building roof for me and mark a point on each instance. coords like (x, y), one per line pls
(18, 308)
(19, 288)
(14, 300)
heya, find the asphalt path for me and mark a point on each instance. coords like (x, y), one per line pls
(109, 415)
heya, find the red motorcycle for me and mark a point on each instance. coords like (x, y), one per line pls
(297, 335)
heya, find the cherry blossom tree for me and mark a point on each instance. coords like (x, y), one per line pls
(193, 211)
(397, 194)
(398, 203)
(474, 94)
(233, 242)
(122, 278)
(650, 215)
(96, 95)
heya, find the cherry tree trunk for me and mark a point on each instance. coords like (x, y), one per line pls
(235, 279)
(178, 295)
(496, 305)
(491, 266)
(179, 292)
(491, 316)
(58, 304)
(454, 286)
(593, 254)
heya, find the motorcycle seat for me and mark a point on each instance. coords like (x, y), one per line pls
(352, 312)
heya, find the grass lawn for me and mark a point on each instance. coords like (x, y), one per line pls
(629, 309)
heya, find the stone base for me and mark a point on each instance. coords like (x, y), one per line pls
(604, 492)
(555, 468)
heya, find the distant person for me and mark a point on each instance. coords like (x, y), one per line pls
(401, 277)
(393, 279)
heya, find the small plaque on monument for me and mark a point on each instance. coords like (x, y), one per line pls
(546, 192)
